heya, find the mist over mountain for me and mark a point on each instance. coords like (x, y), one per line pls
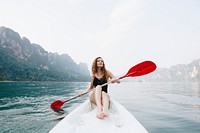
(21, 60)
(178, 73)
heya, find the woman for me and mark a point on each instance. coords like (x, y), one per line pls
(99, 95)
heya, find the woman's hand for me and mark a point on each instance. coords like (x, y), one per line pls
(83, 93)
(80, 94)
(114, 80)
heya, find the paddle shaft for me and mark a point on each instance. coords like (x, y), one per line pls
(127, 75)
(140, 69)
(85, 92)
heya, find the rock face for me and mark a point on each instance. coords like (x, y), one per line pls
(22, 61)
(181, 73)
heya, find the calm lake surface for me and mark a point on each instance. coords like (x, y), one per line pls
(159, 107)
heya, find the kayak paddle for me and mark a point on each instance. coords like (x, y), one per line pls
(137, 70)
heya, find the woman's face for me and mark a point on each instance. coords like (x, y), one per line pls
(100, 62)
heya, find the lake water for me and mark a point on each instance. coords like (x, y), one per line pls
(159, 107)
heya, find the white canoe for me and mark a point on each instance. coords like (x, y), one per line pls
(83, 120)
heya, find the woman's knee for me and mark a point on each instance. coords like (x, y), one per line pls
(105, 95)
(98, 88)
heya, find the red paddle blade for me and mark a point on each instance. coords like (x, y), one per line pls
(57, 104)
(144, 71)
(140, 69)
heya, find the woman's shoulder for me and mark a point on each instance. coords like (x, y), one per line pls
(109, 73)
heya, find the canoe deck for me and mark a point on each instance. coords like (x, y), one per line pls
(83, 120)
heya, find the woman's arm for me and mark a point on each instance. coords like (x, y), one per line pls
(112, 77)
(87, 90)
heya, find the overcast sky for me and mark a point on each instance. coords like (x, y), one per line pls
(123, 32)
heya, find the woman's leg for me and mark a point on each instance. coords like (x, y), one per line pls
(105, 102)
(96, 98)
(92, 97)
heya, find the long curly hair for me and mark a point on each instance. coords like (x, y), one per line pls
(94, 70)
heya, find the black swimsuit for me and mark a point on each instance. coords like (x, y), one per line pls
(100, 81)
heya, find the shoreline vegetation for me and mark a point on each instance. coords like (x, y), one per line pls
(40, 81)
(21, 60)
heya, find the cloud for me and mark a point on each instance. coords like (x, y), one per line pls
(118, 22)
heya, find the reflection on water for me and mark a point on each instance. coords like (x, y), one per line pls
(160, 107)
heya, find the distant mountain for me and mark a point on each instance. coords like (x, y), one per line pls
(21, 60)
(181, 73)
